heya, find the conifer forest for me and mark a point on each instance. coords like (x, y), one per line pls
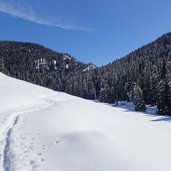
(143, 76)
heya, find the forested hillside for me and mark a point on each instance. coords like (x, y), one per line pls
(45, 67)
(143, 76)
(149, 68)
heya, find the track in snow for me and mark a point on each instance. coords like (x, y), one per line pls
(7, 151)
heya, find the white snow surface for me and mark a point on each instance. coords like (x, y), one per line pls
(43, 130)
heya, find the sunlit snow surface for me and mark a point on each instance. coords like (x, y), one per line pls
(43, 130)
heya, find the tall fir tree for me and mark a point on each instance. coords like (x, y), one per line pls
(168, 97)
(168, 80)
(2, 67)
(161, 97)
(138, 99)
(154, 79)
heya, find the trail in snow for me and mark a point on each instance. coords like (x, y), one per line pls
(7, 150)
(7, 126)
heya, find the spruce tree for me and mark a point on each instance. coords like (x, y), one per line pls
(103, 93)
(129, 92)
(2, 67)
(138, 99)
(168, 97)
(154, 79)
(168, 80)
(161, 97)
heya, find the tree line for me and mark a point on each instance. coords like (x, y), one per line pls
(143, 76)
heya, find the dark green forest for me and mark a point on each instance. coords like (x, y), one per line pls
(143, 76)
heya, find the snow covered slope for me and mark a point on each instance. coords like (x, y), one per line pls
(43, 130)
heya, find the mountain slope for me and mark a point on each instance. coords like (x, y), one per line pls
(148, 67)
(39, 65)
(57, 131)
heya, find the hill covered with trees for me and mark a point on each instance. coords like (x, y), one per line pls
(143, 76)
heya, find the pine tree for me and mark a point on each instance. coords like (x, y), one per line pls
(2, 67)
(129, 92)
(103, 93)
(168, 97)
(154, 79)
(161, 97)
(138, 99)
(168, 80)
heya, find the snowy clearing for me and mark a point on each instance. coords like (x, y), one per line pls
(43, 130)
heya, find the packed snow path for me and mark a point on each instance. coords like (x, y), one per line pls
(9, 124)
(7, 155)
(43, 130)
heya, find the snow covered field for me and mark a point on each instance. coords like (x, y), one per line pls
(43, 130)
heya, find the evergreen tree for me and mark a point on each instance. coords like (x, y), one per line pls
(168, 80)
(129, 91)
(138, 99)
(154, 79)
(168, 101)
(103, 93)
(161, 97)
(2, 67)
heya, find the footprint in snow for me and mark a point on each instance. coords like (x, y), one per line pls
(35, 166)
(31, 148)
(33, 139)
(44, 147)
(56, 142)
(39, 154)
(32, 162)
(31, 143)
(25, 151)
(23, 138)
(42, 160)
(25, 146)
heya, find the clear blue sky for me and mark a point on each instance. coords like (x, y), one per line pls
(97, 31)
